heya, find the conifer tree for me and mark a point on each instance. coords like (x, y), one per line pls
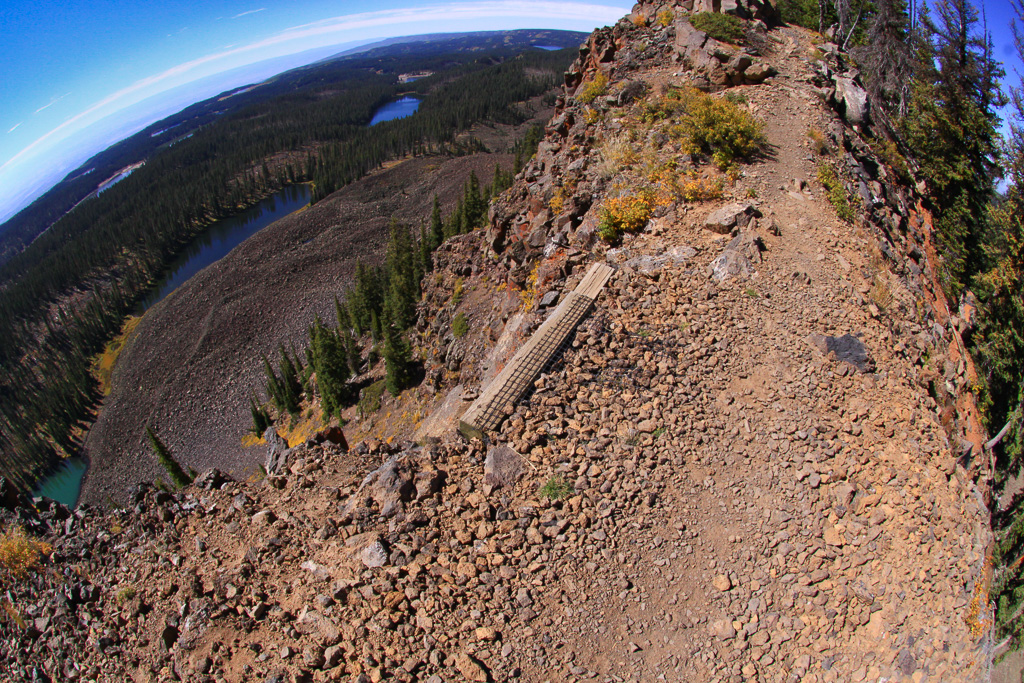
(351, 351)
(436, 225)
(474, 203)
(397, 359)
(887, 55)
(375, 329)
(290, 384)
(426, 262)
(330, 362)
(341, 313)
(275, 389)
(178, 476)
(952, 124)
(260, 418)
(402, 275)
(999, 344)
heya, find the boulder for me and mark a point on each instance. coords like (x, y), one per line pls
(277, 451)
(852, 101)
(736, 262)
(211, 479)
(549, 299)
(502, 467)
(390, 485)
(725, 219)
(652, 264)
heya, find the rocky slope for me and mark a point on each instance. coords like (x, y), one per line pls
(191, 382)
(758, 461)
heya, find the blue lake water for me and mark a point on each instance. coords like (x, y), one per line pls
(113, 181)
(223, 236)
(220, 238)
(399, 109)
(549, 48)
(64, 484)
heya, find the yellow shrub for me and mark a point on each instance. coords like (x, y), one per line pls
(639, 20)
(699, 189)
(19, 554)
(594, 89)
(628, 213)
(665, 18)
(818, 142)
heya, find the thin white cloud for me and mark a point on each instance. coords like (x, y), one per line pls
(252, 11)
(15, 126)
(326, 32)
(52, 102)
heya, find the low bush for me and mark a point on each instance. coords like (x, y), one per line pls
(716, 128)
(890, 154)
(665, 17)
(556, 488)
(457, 292)
(594, 89)
(696, 188)
(369, 402)
(818, 142)
(723, 27)
(460, 326)
(836, 192)
(19, 554)
(628, 213)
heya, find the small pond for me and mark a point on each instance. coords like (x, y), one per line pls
(64, 484)
(399, 109)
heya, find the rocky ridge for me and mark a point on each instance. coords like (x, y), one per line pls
(759, 460)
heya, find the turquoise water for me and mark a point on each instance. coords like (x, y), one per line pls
(398, 109)
(65, 484)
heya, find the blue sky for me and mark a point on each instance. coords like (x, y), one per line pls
(79, 75)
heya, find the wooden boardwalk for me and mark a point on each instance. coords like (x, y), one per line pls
(488, 411)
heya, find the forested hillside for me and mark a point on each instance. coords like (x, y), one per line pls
(66, 295)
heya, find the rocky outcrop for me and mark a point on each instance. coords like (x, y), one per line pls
(714, 64)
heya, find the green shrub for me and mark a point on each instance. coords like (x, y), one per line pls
(713, 127)
(125, 594)
(556, 488)
(369, 402)
(723, 27)
(594, 89)
(460, 326)
(836, 192)
(890, 154)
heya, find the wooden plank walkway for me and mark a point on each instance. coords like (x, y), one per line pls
(516, 378)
